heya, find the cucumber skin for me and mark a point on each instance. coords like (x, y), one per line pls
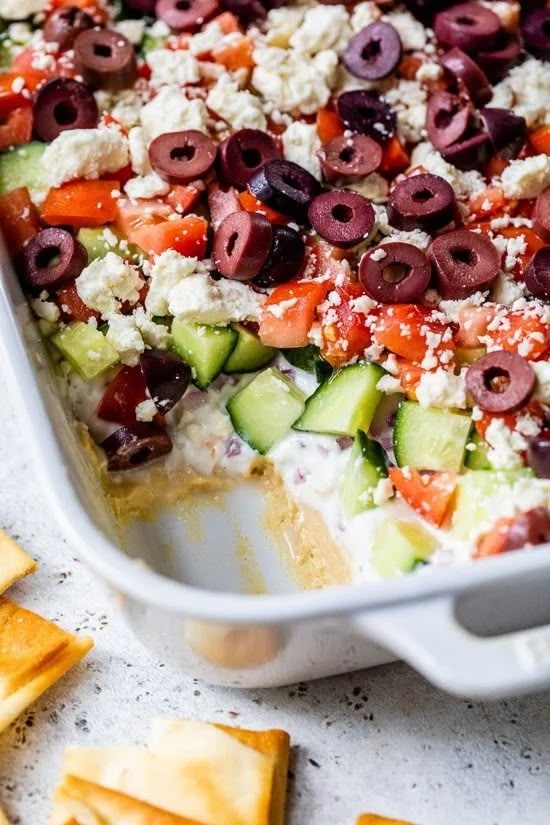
(188, 343)
(249, 354)
(365, 468)
(477, 459)
(309, 359)
(432, 457)
(21, 166)
(75, 340)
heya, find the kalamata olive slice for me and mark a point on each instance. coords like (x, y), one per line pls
(133, 446)
(505, 54)
(500, 382)
(466, 76)
(537, 274)
(353, 156)
(342, 217)
(507, 130)
(528, 530)
(182, 156)
(243, 153)
(285, 259)
(241, 245)
(105, 59)
(421, 202)
(448, 119)
(63, 25)
(186, 15)
(63, 103)
(395, 273)
(467, 25)
(166, 375)
(52, 258)
(285, 186)
(536, 33)
(367, 113)
(463, 263)
(374, 52)
(541, 215)
(469, 154)
(538, 454)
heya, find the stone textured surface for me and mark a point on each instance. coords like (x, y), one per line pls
(380, 740)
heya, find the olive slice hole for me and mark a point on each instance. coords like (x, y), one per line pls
(183, 5)
(461, 255)
(251, 158)
(183, 153)
(65, 113)
(422, 196)
(371, 51)
(347, 154)
(232, 240)
(496, 380)
(465, 21)
(444, 118)
(102, 50)
(49, 256)
(140, 456)
(342, 213)
(395, 273)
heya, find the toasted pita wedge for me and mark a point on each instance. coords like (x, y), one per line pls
(85, 803)
(14, 562)
(374, 819)
(34, 654)
(3, 818)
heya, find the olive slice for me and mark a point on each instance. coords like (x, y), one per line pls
(500, 382)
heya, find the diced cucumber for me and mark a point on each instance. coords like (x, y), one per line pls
(86, 349)
(97, 245)
(475, 491)
(21, 166)
(345, 403)
(429, 438)
(204, 348)
(399, 546)
(309, 359)
(476, 459)
(366, 466)
(249, 354)
(265, 409)
(150, 43)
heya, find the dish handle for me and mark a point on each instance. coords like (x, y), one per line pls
(428, 635)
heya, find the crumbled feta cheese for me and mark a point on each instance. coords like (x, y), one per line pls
(155, 335)
(301, 144)
(382, 492)
(428, 71)
(410, 30)
(45, 309)
(147, 186)
(526, 90)
(363, 15)
(146, 410)
(442, 388)
(20, 9)
(125, 106)
(379, 254)
(288, 82)
(278, 310)
(172, 66)
(240, 109)
(362, 304)
(84, 153)
(526, 178)
(505, 445)
(139, 156)
(507, 290)
(416, 237)
(167, 271)
(207, 39)
(281, 24)
(323, 27)
(171, 111)
(125, 336)
(132, 30)
(542, 373)
(200, 298)
(465, 184)
(409, 98)
(106, 283)
(389, 384)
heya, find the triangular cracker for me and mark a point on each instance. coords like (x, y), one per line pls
(374, 819)
(34, 654)
(14, 562)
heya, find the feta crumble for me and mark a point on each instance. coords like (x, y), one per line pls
(84, 153)
(106, 283)
(201, 299)
(301, 144)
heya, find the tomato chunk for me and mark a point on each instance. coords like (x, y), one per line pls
(81, 203)
(413, 332)
(121, 397)
(523, 332)
(17, 129)
(186, 235)
(72, 306)
(329, 125)
(289, 312)
(251, 204)
(344, 326)
(18, 218)
(430, 494)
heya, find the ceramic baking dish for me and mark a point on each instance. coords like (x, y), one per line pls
(480, 630)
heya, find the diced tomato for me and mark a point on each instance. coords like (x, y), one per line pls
(72, 306)
(532, 410)
(227, 22)
(183, 198)
(93, 8)
(409, 376)
(187, 235)
(10, 99)
(540, 140)
(17, 129)
(329, 125)
(532, 241)
(237, 55)
(473, 322)
(251, 204)
(523, 332)
(294, 306)
(496, 167)
(411, 331)
(18, 218)
(494, 542)
(491, 201)
(132, 215)
(395, 158)
(409, 66)
(81, 203)
(346, 334)
(323, 260)
(430, 494)
(24, 66)
(121, 397)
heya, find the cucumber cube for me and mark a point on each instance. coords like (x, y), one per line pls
(366, 466)
(475, 492)
(86, 349)
(265, 409)
(399, 545)
(345, 403)
(21, 166)
(204, 348)
(250, 354)
(476, 458)
(97, 246)
(430, 438)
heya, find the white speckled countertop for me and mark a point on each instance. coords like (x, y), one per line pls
(381, 740)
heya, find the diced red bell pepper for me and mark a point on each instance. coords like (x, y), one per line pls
(251, 204)
(121, 397)
(410, 330)
(132, 215)
(81, 203)
(71, 305)
(11, 99)
(395, 158)
(329, 125)
(18, 218)
(430, 494)
(187, 235)
(237, 55)
(183, 198)
(17, 129)
(345, 329)
(289, 312)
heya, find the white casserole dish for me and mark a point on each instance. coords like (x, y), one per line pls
(259, 641)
